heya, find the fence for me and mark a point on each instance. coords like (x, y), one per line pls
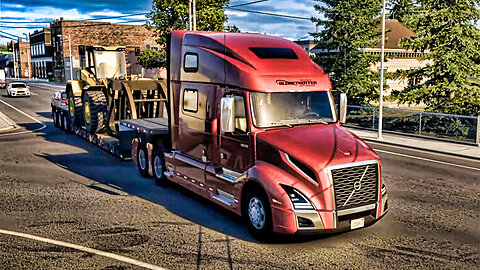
(445, 126)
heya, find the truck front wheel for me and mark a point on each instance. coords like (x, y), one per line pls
(142, 160)
(258, 214)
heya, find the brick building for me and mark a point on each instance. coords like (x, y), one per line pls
(66, 34)
(41, 54)
(19, 65)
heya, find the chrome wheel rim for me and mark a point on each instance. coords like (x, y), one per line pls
(256, 213)
(142, 161)
(158, 167)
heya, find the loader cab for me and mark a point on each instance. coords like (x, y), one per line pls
(99, 62)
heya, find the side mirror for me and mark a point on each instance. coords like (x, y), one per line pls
(227, 109)
(343, 108)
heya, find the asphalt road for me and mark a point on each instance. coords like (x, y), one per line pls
(60, 187)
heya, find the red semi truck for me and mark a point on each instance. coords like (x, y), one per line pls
(252, 126)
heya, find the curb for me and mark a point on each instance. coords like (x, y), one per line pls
(421, 148)
(7, 121)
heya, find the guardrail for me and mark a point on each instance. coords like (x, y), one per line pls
(458, 128)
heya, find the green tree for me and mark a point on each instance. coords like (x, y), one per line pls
(168, 15)
(399, 9)
(447, 32)
(348, 26)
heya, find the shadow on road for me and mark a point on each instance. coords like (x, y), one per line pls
(98, 165)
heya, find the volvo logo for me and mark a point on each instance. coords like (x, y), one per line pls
(357, 185)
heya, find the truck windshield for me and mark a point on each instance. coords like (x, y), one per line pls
(293, 108)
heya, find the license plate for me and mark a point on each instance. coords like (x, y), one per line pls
(357, 223)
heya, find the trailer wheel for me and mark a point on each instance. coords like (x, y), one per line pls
(55, 117)
(158, 165)
(75, 109)
(66, 123)
(142, 160)
(257, 212)
(94, 111)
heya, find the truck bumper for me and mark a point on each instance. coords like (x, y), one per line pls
(287, 221)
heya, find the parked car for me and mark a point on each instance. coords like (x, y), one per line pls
(18, 89)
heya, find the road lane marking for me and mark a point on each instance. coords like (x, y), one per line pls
(427, 159)
(84, 249)
(25, 114)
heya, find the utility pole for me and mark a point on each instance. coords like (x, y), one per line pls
(194, 15)
(14, 60)
(382, 60)
(70, 51)
(190, 15)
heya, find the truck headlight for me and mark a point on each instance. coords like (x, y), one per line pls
(384, 189)
(299, 201)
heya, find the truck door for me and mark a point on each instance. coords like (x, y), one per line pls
(233, 152)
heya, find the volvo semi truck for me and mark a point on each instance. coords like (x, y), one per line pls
(252, 125)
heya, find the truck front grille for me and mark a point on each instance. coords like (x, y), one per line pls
(355, 186)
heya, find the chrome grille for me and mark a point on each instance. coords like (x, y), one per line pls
(346, 181)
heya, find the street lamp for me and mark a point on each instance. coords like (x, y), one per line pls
(382, 60)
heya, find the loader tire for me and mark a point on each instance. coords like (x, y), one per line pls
(75, 109)
(94, 111)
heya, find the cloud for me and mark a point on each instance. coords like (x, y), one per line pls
(48, 10)
(12, 6)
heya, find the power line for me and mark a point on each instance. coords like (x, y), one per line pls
(270, 14)
(249, 3)
(93, 19)
(5, 33)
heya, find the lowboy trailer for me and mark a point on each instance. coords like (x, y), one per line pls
(251, 124)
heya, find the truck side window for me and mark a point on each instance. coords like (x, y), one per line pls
(190, 62)
(240, 115)
(190, 100)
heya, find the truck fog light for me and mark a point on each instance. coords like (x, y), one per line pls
(304, 222)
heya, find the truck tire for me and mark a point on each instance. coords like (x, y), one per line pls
(75, 109)
(158, 164)
(55, 118)
(67, 126)
(94, 111)
(257, 212)
(60, 120)
(142, 160)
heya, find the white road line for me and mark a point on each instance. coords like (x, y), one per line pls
(426, 159)
(84, 249)
(24, 113)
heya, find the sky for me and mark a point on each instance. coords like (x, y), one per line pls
(18, 12)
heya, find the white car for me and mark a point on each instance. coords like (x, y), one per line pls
(18, 89)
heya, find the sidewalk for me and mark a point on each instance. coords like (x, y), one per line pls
(6, 123)
(449, 148)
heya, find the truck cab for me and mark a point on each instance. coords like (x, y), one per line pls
(253, 127)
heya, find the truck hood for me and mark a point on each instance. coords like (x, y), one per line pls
(319, 146)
